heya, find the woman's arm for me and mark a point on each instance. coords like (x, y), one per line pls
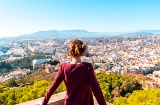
(56, 82)
(95, 87)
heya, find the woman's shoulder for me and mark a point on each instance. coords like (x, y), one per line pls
(82, 63)
(86, 63)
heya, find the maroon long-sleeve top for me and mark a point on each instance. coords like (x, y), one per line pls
(80, 82)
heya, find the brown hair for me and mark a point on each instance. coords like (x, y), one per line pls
(77, 47)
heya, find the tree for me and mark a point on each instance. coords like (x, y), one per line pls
(10, 83)
(53, 62)
(116, 85)
(96, 66)
(140, 97)
(1, 89)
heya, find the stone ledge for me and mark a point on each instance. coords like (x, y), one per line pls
(56, 99)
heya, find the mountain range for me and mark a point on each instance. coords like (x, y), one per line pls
(83, 33)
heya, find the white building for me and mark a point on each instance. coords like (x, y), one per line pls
(38, 62)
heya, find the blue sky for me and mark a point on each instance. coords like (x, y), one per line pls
(27, 16)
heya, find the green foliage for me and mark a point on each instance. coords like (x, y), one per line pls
(96, 66)
(26, 93)
(4, 67)
(10, 83)
(53, 62)
(141, 97)
(114, 85)
(121, 101)
(1, 88)
(13, 96)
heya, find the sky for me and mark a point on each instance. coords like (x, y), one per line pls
(18, 17)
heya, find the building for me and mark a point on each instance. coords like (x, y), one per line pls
(49, 68)
(38, 62)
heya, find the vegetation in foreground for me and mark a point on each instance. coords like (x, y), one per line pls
(140, 97)
(112, 85)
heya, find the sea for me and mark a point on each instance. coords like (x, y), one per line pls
(2, 43)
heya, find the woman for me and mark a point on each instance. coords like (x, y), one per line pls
(78, 77)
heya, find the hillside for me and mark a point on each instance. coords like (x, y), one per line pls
(82, 34)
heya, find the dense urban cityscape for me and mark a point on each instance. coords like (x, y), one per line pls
(135, 56)
(120, 55)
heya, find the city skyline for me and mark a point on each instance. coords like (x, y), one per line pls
(25, 17)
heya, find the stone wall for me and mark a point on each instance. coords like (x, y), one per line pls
(56, 99)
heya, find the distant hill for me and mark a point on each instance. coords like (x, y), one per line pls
(58, 34)
(151, 31)
(83, 33)
(137, 33)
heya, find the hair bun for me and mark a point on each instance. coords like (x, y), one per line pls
(84, 46)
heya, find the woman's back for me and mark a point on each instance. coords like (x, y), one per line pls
(76, 78)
